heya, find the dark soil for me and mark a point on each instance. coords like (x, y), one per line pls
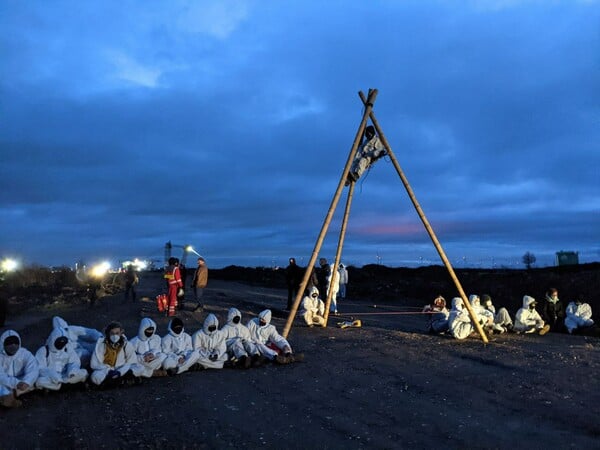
(385, 385)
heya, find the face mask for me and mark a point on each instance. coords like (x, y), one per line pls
(262, 323)
(531, 307)
(114, 338)
(212, 328)
(237, 319)
(149, 332)
(314, 296)
(60, 343)
(177, 330)
(11, 349)
(488, 304)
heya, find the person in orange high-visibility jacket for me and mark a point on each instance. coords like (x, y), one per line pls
(173, 278)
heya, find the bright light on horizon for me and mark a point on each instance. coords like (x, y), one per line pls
(9, 265)
(99, 270)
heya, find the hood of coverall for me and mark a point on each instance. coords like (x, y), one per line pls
(146, 322)
(54, 335)
(211, 320)
(265, 316)
(5, 335)
(312, 291)
(59, 322)
(527, 300)
(474, 300)
(231, 314)
(457, 303)
(172, 322)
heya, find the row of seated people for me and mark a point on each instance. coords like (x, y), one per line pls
(458, 323)
(71, 356)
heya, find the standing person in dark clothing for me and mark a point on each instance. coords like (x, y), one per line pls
(293, 278)
(313, 281)
(323, 272)
(553, 311)
(131, 281)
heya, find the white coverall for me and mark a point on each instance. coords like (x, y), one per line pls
(438, 321)
(267, 334)
(334, 287)
(81, 339)
(148, 349)
(237, 337)
(58, 366)
(459, 321)
(126, 361)
(179, 351)
(369, 152)
(313, 308)
(578, 316)
(20, 367)
(501, 317)
(210, 343)
(528, 320)
(486, 317)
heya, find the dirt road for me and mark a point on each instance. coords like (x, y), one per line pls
(385, 385)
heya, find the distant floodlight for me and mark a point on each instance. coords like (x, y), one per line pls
(8, 265)
(99, 270)
(190, 249)
(140, 264)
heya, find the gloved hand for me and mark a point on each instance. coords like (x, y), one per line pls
(112, 374)
(213, 357)
(180, 292)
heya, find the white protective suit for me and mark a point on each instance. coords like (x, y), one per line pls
(20, 367)
(487, 318)
(438, 321)
(334, 287)
(459, 321)
(369, 152)
(81, 339)
(313, 308)
(502, 320)
(126, 361)
(148, 349)
(528, 320)
(210, 344)
(179, 351)
(578, 316)
(343, 280)
(267, 336)
(237, 337)
(58, 366)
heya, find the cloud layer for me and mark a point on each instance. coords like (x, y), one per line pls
(226, 124)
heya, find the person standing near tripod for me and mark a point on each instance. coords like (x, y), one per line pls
(199, 283)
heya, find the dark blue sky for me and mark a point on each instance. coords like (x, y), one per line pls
(226, 125)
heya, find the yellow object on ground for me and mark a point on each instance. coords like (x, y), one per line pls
(347, 324)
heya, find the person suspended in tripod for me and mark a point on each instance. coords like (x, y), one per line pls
(369, 151)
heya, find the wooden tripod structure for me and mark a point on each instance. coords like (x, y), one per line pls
(368, 103)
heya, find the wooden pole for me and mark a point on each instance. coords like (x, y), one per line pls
(338, 253)
(430, 231)
(357, 139)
